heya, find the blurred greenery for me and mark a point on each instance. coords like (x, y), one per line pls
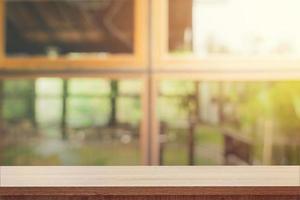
(93, 154)
(177, 87)
(25, 155)
(48, 111)
(88, 109)
(84, 112)
(17, 88)
(49, 87)
(89, 87)
(276, 101)
(129, 105)
(130, 87)
(245, 106)
(14, 109)
(92, 141)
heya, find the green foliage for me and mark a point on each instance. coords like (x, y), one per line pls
(84, 112)
(129, 110)
(21, 155)
(278, 101)
(177, 87)
(130, 87)
(88, 105)
(175, 104)
(17, 88)
(15, 109)
(16, 102)
(170, 111)
(48, 111)
(49, 87)
(251, 103)
(89, 87)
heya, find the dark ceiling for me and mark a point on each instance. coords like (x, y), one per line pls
(32, 27)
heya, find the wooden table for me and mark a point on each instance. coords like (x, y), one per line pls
(149, 183)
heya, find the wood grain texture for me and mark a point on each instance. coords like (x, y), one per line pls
(150, 183)
(149, 176)
(149, 191)
(203, 198)
(152, 198)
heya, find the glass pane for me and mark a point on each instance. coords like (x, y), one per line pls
(89, 87)
(48, 111)
(15, 109)
(18, 88)
(234, 27)
(129, 105)
(80, 128)
(230, 123)
(85, 112)
(131, 87)
(49, 87)
(69, 28)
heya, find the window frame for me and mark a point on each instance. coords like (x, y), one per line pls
(188, 76)
(136, 60)
(150, 64)
(144, 133)
(164, 61)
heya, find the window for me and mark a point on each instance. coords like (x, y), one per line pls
(99, 32)
(241, 28)
(229, 123)
(54, 121)
(227, 34)
(197, 82)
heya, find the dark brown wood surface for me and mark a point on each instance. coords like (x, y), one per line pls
(149, 191)
(152, 198)
(271, 193)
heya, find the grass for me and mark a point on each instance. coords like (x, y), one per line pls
(85, 154)
(208, 147)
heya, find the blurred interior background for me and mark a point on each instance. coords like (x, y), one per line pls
(149, 82)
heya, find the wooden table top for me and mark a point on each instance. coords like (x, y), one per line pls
(109, 179)
(148, 176)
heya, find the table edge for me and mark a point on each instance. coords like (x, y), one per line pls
(150, 191)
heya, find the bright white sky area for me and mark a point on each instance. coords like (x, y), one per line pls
(246, 27)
